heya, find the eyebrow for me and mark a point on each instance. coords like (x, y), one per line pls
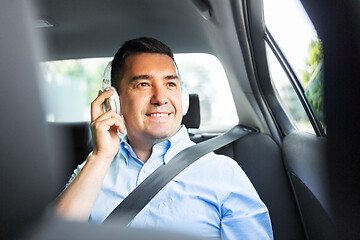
(168, 77)
(135, 78)
(171, 77)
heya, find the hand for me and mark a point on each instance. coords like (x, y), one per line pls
(104, 127)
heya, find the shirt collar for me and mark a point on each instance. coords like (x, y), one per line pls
(173, 145)
(178, 142)
(126, 150)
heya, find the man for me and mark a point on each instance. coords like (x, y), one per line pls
(211, 198)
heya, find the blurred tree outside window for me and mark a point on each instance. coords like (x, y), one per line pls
(70, 86)
(313, 79)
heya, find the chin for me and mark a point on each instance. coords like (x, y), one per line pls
(162, 133)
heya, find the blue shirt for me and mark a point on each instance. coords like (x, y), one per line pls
(211, 198)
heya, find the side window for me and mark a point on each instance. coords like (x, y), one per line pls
(71, 85)
(203, 74)
(295, 62)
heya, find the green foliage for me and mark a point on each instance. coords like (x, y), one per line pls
(80, 70)
(312, 79)
(315, 57)
(94, 80)
(315, 93)
(71, 68)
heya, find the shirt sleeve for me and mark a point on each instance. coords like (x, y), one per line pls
(243, 214)
(75, 173)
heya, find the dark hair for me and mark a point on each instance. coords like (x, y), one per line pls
(131, 47)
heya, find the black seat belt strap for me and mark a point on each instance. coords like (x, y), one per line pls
(143, 194)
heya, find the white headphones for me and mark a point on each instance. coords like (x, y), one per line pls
(113, 102)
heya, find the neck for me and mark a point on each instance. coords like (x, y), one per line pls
(143, 153)
(142, 150)
(143, 146)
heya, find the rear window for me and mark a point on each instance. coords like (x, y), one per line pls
(71, 85)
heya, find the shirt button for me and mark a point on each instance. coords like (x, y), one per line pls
(146, 170)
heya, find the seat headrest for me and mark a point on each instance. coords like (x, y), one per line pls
(192, 118)
(26, 162)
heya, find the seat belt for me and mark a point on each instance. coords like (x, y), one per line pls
(143, 193)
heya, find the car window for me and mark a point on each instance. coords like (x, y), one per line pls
(71, 85)
(296, 39)
(203, 74)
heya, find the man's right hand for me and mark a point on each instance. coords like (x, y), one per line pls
(104, 127)
(78, 199)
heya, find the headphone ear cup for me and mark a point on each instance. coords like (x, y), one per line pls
(114, 101)
(184, 101)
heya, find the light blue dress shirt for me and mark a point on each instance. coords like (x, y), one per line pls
(211, 198)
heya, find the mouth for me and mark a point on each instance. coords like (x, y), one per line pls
(158, 114)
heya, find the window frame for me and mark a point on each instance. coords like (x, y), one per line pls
(258, 37)
(295, 82)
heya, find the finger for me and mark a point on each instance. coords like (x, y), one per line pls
(97, 104)
(107, 124)
(111, 114)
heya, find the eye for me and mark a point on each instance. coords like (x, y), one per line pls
(143, 84)
(172, 84)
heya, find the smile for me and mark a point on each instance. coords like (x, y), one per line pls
(158, 114)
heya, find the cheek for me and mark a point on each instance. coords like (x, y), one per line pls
(132, 103)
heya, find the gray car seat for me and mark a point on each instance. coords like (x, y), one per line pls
(27, 161)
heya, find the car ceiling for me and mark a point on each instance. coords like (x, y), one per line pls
(97, 28)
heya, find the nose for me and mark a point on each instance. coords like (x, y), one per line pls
(159, 95)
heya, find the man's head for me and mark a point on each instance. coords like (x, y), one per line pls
(150, 96)
(135, 46)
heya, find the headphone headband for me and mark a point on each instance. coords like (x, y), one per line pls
(106, 80)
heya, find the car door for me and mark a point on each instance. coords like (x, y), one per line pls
(293, 108)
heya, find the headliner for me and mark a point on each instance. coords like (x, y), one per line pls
(93, 28)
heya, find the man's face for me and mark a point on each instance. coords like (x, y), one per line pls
(150, 98)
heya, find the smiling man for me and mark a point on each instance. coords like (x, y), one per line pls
(212, 198)
(150, 100)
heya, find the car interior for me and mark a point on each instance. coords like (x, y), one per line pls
(308, 181)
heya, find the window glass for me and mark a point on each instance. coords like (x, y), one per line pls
(71, 85)
(289, 24)
(203, 74)
(287, 95)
